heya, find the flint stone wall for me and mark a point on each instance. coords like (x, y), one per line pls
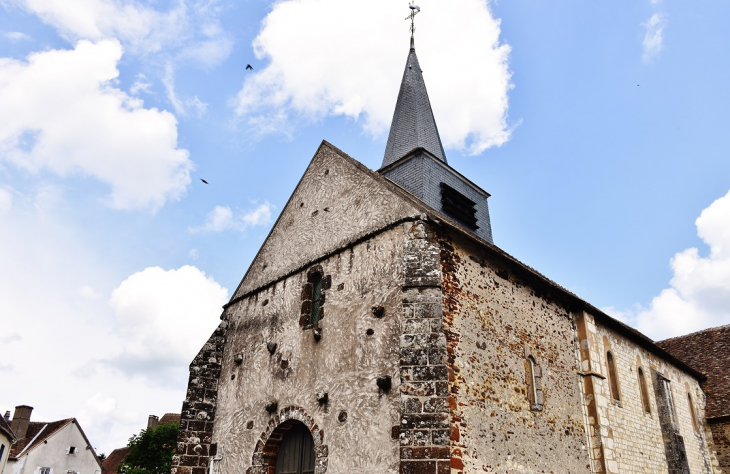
(494, 320)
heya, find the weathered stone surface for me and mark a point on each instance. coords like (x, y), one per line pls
(491, 325)
(345, 363)
(357, 204)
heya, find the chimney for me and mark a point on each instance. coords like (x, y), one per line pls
(21, 420)
(152, 422)
(7, 417)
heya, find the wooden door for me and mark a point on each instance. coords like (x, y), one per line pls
(296, 453)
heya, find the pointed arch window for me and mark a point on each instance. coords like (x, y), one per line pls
(612, 377)
(692, 413)
(534, 387)
(643, 391)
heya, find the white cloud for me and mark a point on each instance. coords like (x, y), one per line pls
(6, 201)
(319, 65)
(89, 293)
(83, 345)
(259, 216)
(191, 28)
(11, 338)
(181, 106)
(222, 218)
(138, 26)
(654, 36)
(140, 85)
(219, 219)
(164, 318)
(699, 292)
(17, 36)
(61, 113)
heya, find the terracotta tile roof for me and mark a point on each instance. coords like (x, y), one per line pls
(5, 428)
(169, 418)
(112, 462)
(707, 351)
(36, 434)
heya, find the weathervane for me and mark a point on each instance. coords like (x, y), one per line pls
(414, 10)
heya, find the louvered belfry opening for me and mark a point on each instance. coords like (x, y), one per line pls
(459, 207)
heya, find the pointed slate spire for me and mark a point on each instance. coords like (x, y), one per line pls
(413, 123)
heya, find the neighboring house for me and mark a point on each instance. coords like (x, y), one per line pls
(112, 462)
(116, 457)
(7, 437)
(380, 330)
(169, 418)
(56, 447)
(709, 351)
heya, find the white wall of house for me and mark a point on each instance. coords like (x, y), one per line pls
(54, 455)
(5, 448)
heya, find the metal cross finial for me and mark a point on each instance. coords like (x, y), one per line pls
(414, 11)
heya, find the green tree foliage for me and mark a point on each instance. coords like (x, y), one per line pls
(150, 452)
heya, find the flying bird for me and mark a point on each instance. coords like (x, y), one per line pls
(203, 180)
(249, 67)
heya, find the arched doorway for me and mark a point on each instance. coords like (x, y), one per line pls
(296, 452)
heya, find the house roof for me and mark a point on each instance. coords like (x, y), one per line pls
(5, 428)
(115, 458)
(414, 125)
(707, 351)
(169, 418)
(36, 434)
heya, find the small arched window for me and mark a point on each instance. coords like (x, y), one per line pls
(612, 377)
(313, 294)
(316, 281)
(296, 452)
(534, 389)
(643, 391)
(695, 425)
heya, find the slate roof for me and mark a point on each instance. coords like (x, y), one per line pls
(36, 434)
(707, 351)
(169, 418)
(413, 123)
(115, 458)
(5, 428)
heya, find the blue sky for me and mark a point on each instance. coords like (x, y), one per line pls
(600, 130)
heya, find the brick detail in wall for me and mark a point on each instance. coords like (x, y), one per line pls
(198, 411)
(424, 429)
(264, 458)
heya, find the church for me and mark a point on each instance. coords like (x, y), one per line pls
(379, 329)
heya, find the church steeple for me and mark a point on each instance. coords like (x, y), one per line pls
(415, 159)
(413, 124)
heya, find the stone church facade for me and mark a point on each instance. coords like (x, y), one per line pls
(380, 330)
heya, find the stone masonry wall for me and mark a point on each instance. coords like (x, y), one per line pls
(424, 420)
(624, 437)
(199, 408)
(356, 429)
(721, 437)
(494, 320)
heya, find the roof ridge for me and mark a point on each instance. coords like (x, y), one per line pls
(713, 329)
